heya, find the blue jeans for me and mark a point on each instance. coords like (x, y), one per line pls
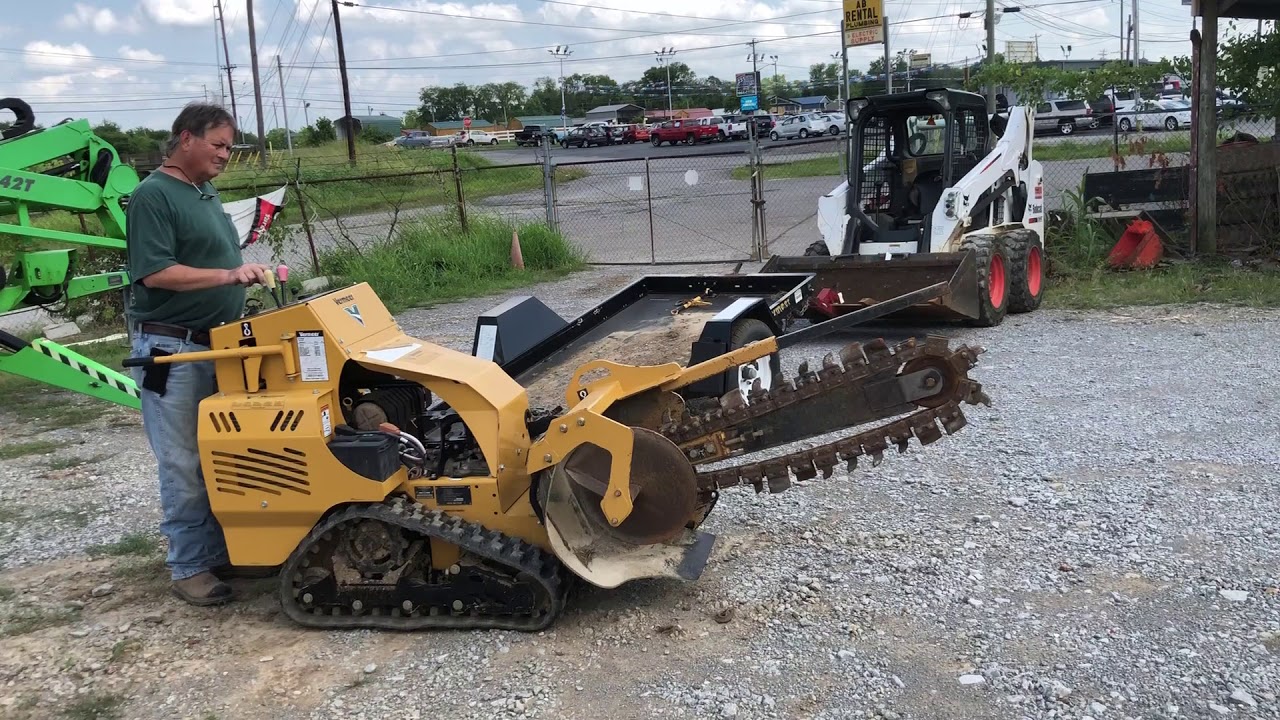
(196, 543)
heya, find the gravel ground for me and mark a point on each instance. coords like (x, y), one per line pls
(1100, 543)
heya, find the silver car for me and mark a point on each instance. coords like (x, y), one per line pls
(424, 140)
(1065, 116)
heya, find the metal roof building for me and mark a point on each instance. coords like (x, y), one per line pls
(387, 123)
(624, 113)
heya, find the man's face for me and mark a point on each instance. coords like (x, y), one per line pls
(209, 154)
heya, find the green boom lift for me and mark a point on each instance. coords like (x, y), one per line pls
(69, 168)
(62, 168)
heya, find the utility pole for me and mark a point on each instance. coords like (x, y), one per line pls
(346, 91)
(991, 53)
(888, 68)
(663, 59)
(1123, 56)
(226, 54)
(562, 52)
(257, 88)
(285, 105)
(1137, 44)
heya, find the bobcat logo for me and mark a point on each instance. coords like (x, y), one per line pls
(354, 312)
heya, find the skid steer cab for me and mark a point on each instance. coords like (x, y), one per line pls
(939, 195)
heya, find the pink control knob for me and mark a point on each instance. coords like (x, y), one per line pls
(282, 272)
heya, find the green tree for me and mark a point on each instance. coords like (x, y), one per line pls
(1249, 67)
(324, 131)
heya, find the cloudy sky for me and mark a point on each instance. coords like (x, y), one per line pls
(137, 61)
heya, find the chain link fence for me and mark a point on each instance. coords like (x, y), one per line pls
(742, 201)
(675, 209)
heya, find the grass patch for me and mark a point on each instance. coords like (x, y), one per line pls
(97, 706)
(433, 259)
(35, 447)
(1079, 277)
(809, 167)
(131, 544)
(1207, 282)
(8, 514)
(7, 593)
(26, 619)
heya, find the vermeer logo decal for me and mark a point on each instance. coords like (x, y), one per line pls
(354, 312)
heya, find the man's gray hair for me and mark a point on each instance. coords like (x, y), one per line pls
(197, 118)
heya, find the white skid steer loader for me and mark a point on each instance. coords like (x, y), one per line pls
(935, 220)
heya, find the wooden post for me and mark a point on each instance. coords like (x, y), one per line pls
(1193, 191)
(457, 184)
(1207, 134)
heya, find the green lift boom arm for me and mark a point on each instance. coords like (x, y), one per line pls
(62, 168)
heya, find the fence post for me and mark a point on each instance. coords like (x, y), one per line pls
(457, 183)
(648, 194)
(302, 208)
(548, 183)
(758, 244)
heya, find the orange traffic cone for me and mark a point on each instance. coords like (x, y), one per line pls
(517, 258)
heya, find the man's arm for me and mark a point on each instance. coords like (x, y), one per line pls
(182, 277)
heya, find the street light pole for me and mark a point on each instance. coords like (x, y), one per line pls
(562, 52)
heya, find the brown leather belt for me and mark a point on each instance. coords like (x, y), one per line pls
(199, 337)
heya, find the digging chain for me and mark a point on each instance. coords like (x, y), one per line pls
(859, 365)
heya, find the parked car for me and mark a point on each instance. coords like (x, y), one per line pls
(424, 140)
(832, 121)
(688, 132)
(587, 136)
(634, 134)
(476, 137)
(1065, 116)
(532, 135)
(1170, 113)
(734, 127)
(801, 126)
(764, 123)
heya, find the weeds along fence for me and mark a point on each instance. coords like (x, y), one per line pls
(328, 207)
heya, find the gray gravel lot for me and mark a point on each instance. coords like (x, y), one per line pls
(1100, 543)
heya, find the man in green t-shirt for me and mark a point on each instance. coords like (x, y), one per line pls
(188, 276)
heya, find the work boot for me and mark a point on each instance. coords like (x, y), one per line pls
(203, 589)
(246, 572)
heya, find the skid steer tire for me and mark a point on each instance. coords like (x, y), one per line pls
(992, 262)
(817, 249)
(1026, 270)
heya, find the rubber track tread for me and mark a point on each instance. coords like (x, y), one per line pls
(525, 561)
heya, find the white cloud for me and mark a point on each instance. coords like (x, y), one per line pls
(44, 53)
(139, 54)
(100, 20)
(197, 13)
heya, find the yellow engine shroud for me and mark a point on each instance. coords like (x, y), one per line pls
(264, 436)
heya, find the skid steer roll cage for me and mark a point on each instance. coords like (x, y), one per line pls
(894, 184)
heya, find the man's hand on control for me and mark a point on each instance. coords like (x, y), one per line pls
(249, 274)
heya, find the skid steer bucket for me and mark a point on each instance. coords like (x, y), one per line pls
(924, 286)
(652, 542)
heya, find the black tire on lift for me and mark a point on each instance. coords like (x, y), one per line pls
(1026, 270)
(749, 330)
(992, 262)
(744, 332)
(818, 248)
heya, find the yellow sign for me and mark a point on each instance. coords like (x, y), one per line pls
(863, 22)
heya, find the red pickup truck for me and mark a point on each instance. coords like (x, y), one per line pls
(685, 131)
